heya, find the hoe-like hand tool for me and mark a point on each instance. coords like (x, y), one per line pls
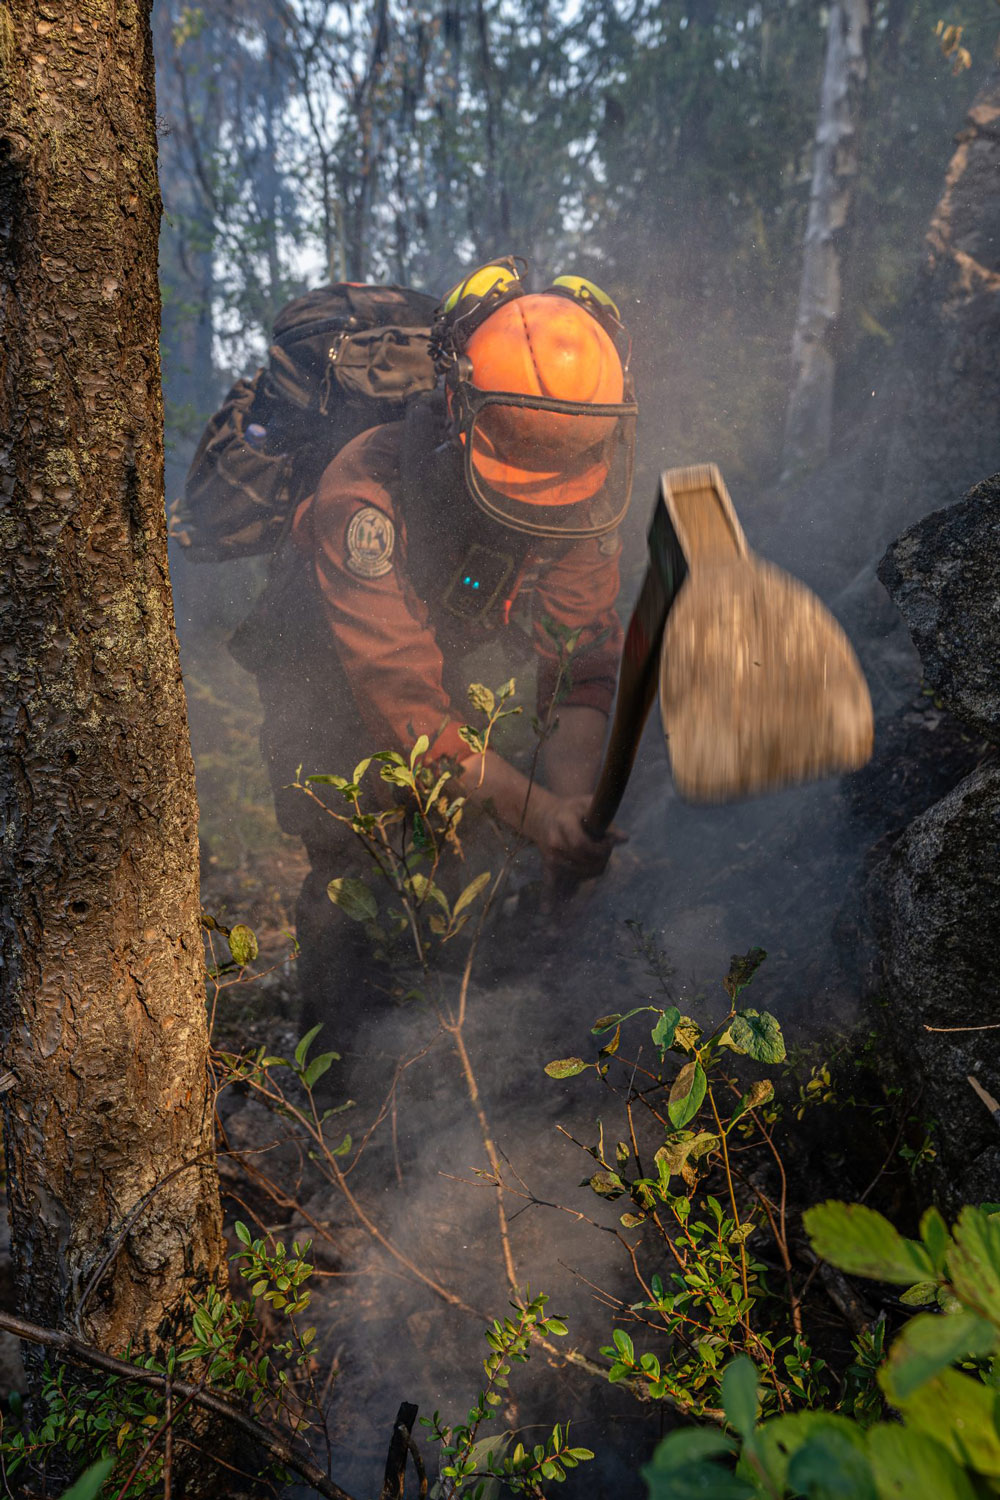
(759, 686)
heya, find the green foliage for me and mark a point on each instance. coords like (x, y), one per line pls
(941, 1377)
(232, 1349)
(90, 1482)
(101, 1425)
(469, 1463)
(708, 1297)
(406, 841)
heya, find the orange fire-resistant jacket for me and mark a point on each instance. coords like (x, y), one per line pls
(393, 645)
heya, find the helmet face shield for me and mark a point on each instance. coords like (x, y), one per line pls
(548, 467)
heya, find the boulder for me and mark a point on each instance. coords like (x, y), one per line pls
(944, 576)
(935, 908)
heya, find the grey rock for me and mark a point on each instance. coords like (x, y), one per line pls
(944, 575)
(935, 908)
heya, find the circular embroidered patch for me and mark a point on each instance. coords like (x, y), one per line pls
(371, 537)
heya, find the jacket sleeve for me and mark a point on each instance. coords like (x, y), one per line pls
(351, 531)
(578, 592)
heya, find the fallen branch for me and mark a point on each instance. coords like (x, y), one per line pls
(261, 1432)
(990, 1026)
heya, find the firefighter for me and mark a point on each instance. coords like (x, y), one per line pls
(487, 518)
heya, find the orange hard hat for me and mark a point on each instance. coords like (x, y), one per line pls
(550, 347)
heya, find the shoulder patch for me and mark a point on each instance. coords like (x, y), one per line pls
(371, 537)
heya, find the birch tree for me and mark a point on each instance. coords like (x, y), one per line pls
(809, 414)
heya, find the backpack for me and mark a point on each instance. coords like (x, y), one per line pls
(343, 358)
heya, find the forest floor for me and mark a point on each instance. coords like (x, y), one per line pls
(785, 872)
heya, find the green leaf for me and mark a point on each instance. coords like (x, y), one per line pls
(302, 1050)
(687, 1093)
(566, 1067)
(912, 1466)
(860, 1241)
(605, 1023)
(958, 1410)
(684, 1468)
(90, 1482)
(360, 769)
(934, 1233)
(757, 1094)
(243, 944)
(472, 738)
(742, 970)
(471, 892)
(974, 1262)
(688, 1445)
(931, 1341)
(920, 1294)
(420, 748)
(624, 1345)
(665, 1028)
(758, 1034)
(739, 1395)
(354, 898)
(318, 1067)
(687, 1035)
(242, 1233)
(481, 698)
(343, 1148)
(607, 1184)
(777, 1441)
(675, 1152)
(831, 1465)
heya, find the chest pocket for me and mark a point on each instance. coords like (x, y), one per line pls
(463, 566)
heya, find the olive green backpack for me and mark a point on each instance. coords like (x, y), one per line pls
(343, 358)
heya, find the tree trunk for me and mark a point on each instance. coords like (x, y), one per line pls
(946, 436)
(809, 416)
(103, 1009)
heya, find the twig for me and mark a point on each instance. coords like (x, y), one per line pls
(892, 1149)
(260, 1432)
(314, 1128)
(165, 1429)
(991, 1026)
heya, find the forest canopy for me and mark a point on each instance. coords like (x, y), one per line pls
(663, 146)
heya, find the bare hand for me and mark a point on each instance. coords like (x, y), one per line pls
(565, 845)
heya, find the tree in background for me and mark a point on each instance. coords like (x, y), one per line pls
(664, 147)
(809, 416)
(108, 1126)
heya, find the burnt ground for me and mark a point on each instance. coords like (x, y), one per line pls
(784, 872)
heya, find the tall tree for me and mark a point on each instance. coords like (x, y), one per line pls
(946, 436)
(107, 1123)
(809, 417)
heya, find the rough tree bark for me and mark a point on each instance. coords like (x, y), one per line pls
(103, 1011)
(809, 415)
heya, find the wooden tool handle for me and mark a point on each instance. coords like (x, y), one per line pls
(638, 675)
